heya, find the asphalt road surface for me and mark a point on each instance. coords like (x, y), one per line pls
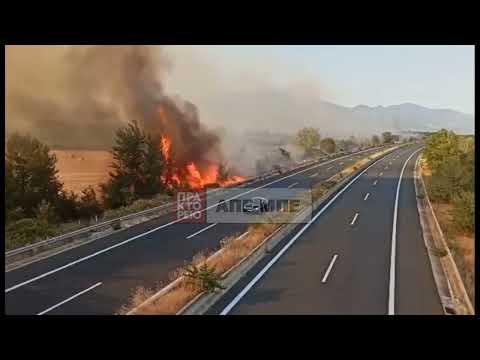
(98, 277)
(342, 263)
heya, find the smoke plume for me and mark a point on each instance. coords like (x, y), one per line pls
(77, 97)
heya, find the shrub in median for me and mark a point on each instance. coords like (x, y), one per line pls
(204, 277)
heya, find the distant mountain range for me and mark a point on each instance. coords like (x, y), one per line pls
(414, 117)
(284, 111)
(280, 112)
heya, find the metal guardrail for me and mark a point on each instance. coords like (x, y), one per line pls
(88, 229)
(105, 224)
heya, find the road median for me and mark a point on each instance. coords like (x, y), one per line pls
(236, 257)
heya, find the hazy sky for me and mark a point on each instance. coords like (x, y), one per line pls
(432, 76)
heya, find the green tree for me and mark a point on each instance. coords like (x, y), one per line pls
(137, 167)
(308, 138)
(451, 159)
(375, 140)
(89, 205)
(348, 144)
(30, 174)
(328, 145)
(152, 167)
(387, 137)
(440, 146)
(66, 206)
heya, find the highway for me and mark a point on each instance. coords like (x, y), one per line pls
(98, 277)
(362, 254)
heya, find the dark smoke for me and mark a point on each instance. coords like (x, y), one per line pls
(76, 97)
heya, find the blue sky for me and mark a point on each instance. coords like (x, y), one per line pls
(432, 76)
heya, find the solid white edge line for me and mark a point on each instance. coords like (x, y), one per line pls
(70, 298)
(161, 227)
(262, 272)
(354, 219)
(391, 287)
(325, 277)
(366, 196)
(202, 230)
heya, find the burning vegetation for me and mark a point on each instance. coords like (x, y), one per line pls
(87, 92)
(191, 152)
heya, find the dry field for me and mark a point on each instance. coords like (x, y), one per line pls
(80, 168)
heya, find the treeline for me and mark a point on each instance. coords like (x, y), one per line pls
(37, 205)
(451, 159)
(313, 144)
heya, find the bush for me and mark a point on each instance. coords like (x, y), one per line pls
(438, 188)
(464, 211)
(205, 277)
(69, 227)
(136, 206)
(27, 231)
(66, 206)
(12, 215)
(46, 212)
(116, 194)
(89, 206)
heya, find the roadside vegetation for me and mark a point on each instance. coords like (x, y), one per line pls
(37, 207)
(314, 145)
(448, 169)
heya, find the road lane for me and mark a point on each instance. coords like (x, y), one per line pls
(298, 297)
(361, 280)
(413, 267)
(143, 262)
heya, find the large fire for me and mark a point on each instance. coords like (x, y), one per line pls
(192, 175)
(185, 146)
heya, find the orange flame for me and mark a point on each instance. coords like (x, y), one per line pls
(166, 145)
(193, 175)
